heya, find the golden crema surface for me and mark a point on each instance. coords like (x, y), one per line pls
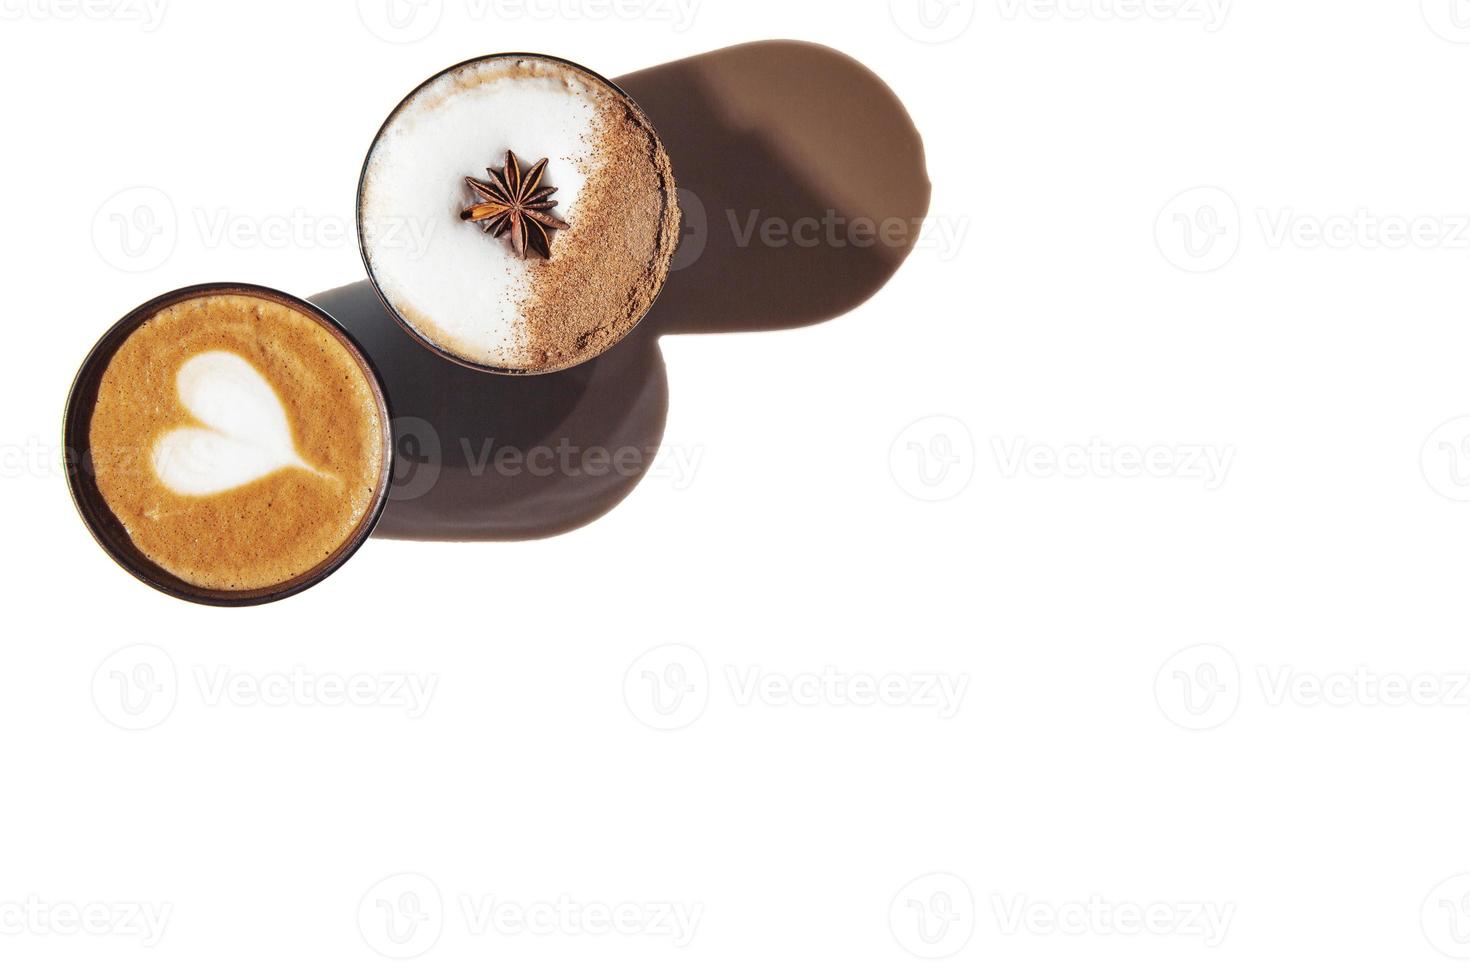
(238, 441)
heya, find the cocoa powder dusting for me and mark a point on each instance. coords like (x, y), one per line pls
(607, 268)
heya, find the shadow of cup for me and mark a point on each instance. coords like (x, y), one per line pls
(803, 185)
(802, 180)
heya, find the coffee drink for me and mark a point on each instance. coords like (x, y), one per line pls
(571, 183)
(237, 437)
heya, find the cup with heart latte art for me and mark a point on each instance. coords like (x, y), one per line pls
(228, 444)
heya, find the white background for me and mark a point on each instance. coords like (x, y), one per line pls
(1089, 760)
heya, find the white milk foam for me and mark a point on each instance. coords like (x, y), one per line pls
(456, 285)
(247, 437)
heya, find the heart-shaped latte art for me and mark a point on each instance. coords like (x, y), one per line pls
(246, 434)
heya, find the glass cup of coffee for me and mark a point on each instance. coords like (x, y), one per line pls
(228, 444)
(517, 213)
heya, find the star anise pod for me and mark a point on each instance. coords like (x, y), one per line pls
(514, 200)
